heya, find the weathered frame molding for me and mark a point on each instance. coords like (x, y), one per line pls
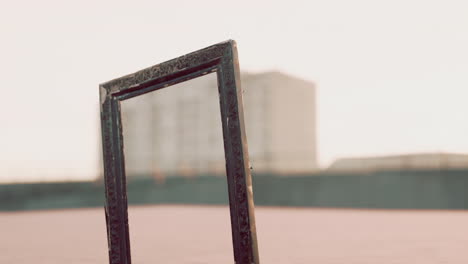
(220, 58)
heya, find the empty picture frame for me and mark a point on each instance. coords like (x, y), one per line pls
(222, 59)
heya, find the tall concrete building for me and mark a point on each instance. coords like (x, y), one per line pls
(178, 130)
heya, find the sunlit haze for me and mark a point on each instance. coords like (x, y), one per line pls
(391, 75)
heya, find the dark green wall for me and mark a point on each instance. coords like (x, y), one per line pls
(406, 189)
(422, 190)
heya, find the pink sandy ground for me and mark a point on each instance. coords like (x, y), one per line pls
(201, 234)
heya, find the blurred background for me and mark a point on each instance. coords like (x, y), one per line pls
(349, 106)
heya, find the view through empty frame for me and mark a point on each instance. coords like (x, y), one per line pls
(174, 154)
(222, 60)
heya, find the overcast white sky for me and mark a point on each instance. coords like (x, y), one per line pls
(392, 75)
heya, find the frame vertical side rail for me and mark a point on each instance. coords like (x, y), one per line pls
(115, 183)
(237, 167)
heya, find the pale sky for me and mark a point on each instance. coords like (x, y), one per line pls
(392, 76)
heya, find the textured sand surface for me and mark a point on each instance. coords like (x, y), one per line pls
(201, 234)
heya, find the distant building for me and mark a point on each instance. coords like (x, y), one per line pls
(178, 130)
(421, 161)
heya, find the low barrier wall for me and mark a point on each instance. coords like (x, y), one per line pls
(397, 190)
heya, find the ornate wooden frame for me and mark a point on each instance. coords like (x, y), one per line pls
(222, 59)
